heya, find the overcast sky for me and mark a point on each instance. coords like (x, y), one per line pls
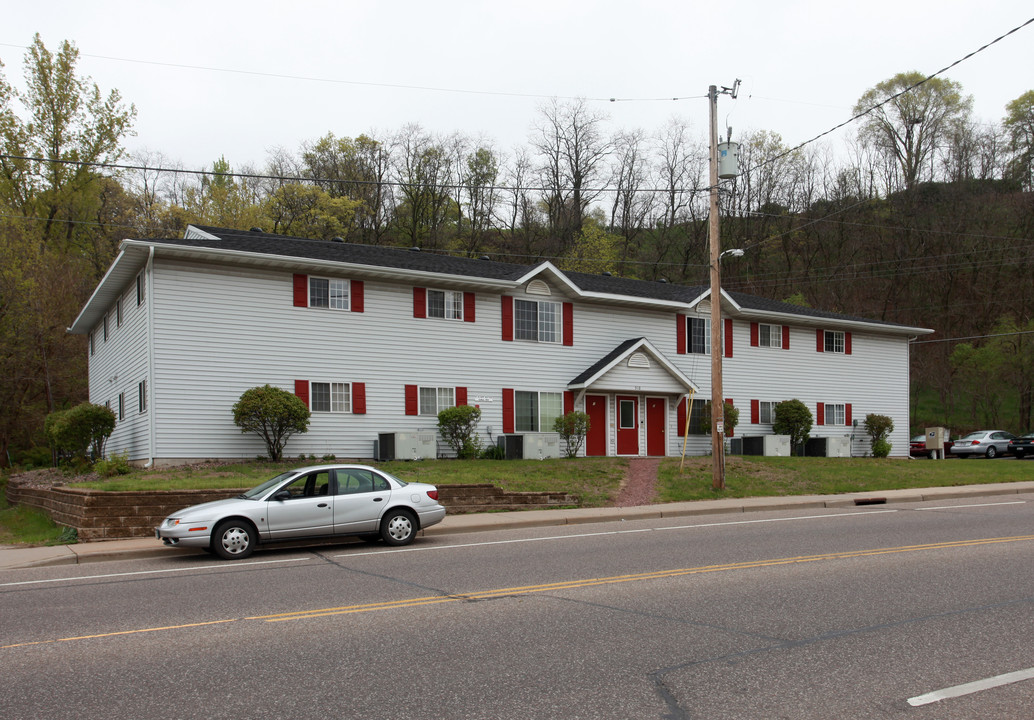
(231, 78)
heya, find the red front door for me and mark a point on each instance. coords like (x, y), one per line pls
(596, 438)
(628, 425)
(656, 422)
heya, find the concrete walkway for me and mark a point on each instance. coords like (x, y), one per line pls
(12, 557)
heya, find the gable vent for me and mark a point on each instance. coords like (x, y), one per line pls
(638, 360)
(537, 287)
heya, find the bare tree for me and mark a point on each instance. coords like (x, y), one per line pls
(632, 202)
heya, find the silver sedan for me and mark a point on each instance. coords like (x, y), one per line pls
(311, 502)
(989, 443)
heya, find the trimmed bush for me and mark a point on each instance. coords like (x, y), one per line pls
(879, 427)
(459, 429)
(79, 433)
(273, 414)
(573, 427)
(793, 418)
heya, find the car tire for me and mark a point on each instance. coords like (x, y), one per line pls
(234, 539)
(1019, 454)
(991, 453)
(398, 527)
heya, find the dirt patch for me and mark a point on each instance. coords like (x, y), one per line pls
(640, 483)
(48, 478)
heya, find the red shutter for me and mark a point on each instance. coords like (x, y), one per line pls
(820, 415)
(786, 337)
(728, 337)
(412, 400)
(847, 343)
(468, 306)
(507, 320)
(755, 412)
(358, 398)
(681, 411)
(729, 430)
(301, 389)
(507, 410)
(568, 401)
(461, 396)
(680, 334)
(301, 291)
(820, 340)
(568, 323)
(847, 414)
(754, 341)
(419, 302)
(357, 294)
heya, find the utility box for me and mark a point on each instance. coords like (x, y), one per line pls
(539, 446)
(512, 445)
(936, 437)
(407, 446)
(838, 446)
(736, 446)
(771, 445)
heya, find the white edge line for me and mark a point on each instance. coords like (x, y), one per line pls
(151, 572)
(952, 507)
(971, 687)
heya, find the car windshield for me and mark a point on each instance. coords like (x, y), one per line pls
(260, 490)
(919, 438)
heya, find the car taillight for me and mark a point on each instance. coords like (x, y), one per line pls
(433, 494)
(976, 442)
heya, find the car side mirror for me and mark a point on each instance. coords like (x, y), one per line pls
(282, 495)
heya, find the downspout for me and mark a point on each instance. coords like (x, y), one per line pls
(149, 289)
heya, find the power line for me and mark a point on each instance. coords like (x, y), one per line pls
(972, 337)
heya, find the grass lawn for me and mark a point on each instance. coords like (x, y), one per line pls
(19, 524)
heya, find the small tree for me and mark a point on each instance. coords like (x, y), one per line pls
(731, 414)
(459, 428)
(879, 428)
(793, 418)
(80, 432)
(272, 413)
(573, 427)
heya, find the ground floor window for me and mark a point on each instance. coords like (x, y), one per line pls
(537, 411)
(330, 397)
(435, 399)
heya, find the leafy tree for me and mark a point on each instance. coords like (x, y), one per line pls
(459, 428)
(879, 428)
(80, 431)
(1019, 124)
(573, 427)
(793, 418)
(910, 127)
(273, 414)
(594, 250)
(307, 211)
(1004, 364)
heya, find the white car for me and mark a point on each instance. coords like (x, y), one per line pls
(990, 443)
(308, 503)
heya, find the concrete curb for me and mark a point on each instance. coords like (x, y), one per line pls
(14, 557)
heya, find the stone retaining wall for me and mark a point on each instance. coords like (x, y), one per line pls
(104, 515)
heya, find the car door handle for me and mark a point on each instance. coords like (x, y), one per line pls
(378, 499)
(323, 505)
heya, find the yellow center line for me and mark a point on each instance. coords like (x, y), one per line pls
(552, 587)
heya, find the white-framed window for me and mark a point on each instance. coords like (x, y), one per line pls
(118, 313)
(140, 289)
(92, 350)
(536, 320)
(537, 411)
(447, 304)
(435, 399)
(328, 293)
(770, 335)
(834, 341)
(835, 414)
(141, 390)
(121, 406)
(699, 335)
(696, 418)
(766, 412)
(105, 327)
(333, 397)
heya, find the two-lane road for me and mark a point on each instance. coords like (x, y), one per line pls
(883, 611)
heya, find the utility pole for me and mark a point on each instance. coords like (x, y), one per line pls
(717, 401)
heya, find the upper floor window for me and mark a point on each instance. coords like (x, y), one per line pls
(446, 304)
(118, 313)
(327, 293)
(141, 390)
(105, 327)
(140, 289)
(330, 397)
(699, 335)
(537, 411)
(537, 320)
(766, 412)
(770, 335)
(835, 414)
(834, 341)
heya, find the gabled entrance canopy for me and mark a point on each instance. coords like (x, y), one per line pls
(635, 363)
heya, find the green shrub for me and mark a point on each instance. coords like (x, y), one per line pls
(329, 457)
(732, 417)
(793, 418)
(459, 428)
(573, 427)
(273, 414)
(881, 448)
(493, 452)
(79, 433)
(117, 464)
(879, 427)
